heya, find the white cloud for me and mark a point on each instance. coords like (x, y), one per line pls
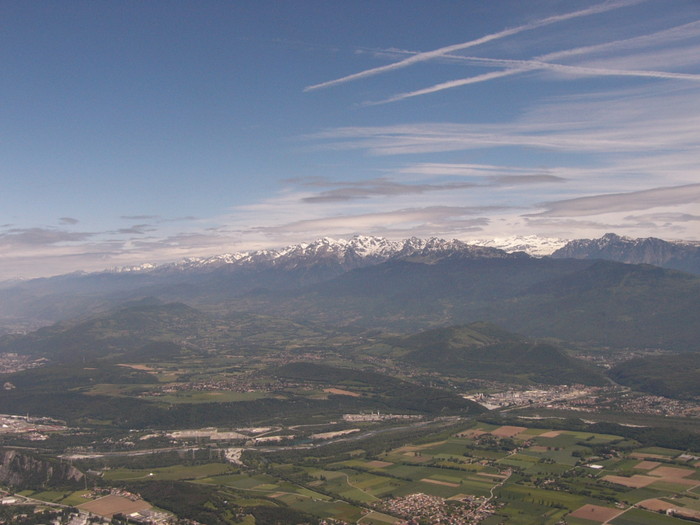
(665, 218)
(623, 202)
(386, 221)
(656, 119)
(381, 188)
(18, 237)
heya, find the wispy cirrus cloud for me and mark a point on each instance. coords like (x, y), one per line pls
(510, 180)
(345, 191)
(40, 237)
(136, 229)
(622, 202)
(443, 137)
(380, 188)
(437, 53)
(666, 218)
(563, 227)
(140, 217)
(492, 174)
(657, 119)
(389, 221)
(643, 137)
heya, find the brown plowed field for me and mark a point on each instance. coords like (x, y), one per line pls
(507, 431)
(596, 513)
(647, 465)
(110, 505)
(634, 482)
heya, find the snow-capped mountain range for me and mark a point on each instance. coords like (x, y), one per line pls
(362, 261)
(530, 244)
(359, 251)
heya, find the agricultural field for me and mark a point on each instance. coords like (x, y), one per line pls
(457, 470)
(491, 474)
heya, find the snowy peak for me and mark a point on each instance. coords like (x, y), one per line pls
(530, 244)
(682, 256)
(372, 246)
(361, 250)
(345, 253)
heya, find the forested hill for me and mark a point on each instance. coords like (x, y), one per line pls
(484, 351)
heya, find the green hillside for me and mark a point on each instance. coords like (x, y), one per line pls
(596, 302)
(613, 304)
(676, 376)
(110, 334)
(388, 393)
(485, 351)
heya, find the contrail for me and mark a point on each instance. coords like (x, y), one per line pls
(543, 62)
(684, 31)
(451, 84)
(521, 66)
(428, 55)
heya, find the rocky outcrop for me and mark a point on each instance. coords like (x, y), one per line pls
(20, 470)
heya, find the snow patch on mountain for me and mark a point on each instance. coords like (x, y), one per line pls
(530, 244)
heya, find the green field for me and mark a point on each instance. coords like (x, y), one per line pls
(643, 517)
(541, 481)
(168, 473)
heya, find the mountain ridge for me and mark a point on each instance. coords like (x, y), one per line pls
(363, 250)
(683, 256)
(461, 280)
(358, 251)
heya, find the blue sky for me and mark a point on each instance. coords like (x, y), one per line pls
(138, 132)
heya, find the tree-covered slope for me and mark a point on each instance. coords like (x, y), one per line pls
(670, 375)
(613, 304)
(387, 393)
(597, 302)
(484, 351)
(112, 334)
